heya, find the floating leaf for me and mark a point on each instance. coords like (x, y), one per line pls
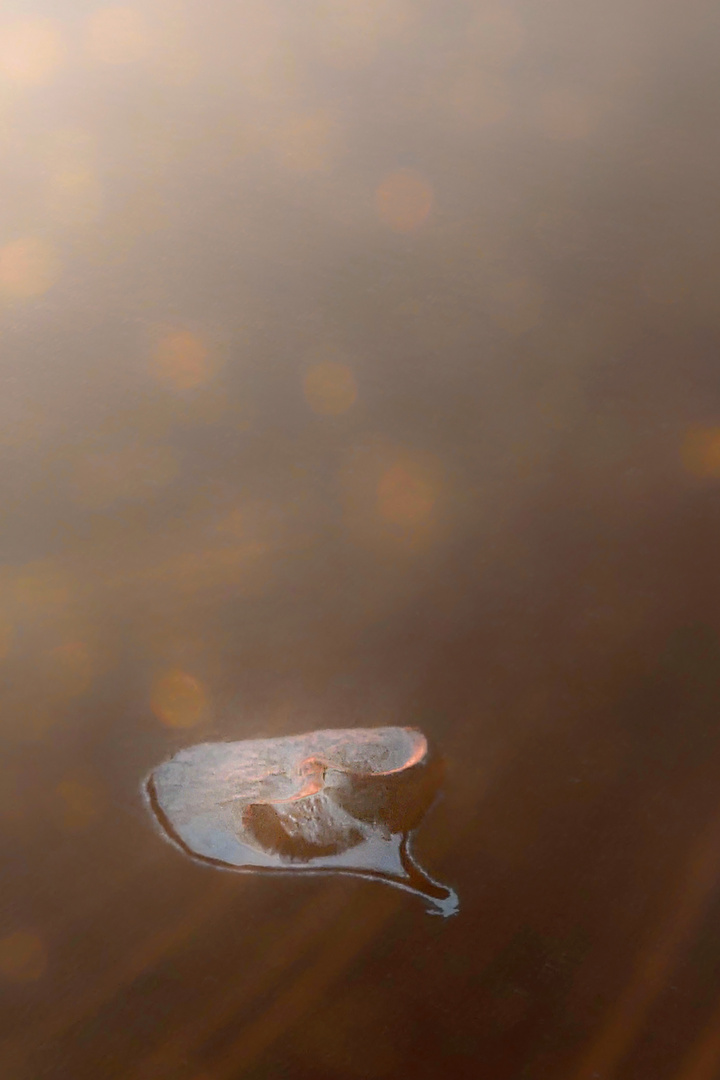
(343, 801)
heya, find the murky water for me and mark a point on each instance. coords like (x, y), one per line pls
(359, 375)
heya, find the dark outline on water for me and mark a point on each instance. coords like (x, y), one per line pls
(433, 892)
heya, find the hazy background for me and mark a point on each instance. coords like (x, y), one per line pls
(359, 365)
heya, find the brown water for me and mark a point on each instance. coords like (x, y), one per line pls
(358, 368)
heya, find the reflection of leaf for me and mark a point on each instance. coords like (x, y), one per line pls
(334, 800)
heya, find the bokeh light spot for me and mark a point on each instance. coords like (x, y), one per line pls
(22, 957)
(31, 52)
(404, 496)
(79, 805)
(391, 497)
(701, 452)
(330, 388)
(28, 268)
(181, 360)
(178, 699)
(404, 200)
(117, 35)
